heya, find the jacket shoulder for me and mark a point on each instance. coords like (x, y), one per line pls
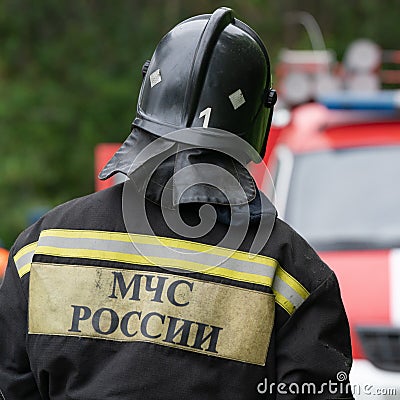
(97, 211)
(297, 257)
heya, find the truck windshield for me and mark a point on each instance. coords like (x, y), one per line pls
(347, 198)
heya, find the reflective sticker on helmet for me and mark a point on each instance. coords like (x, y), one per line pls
(237, 99)
(155, 78)
(206, 113)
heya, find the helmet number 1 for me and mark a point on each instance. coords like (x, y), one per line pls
(206, 114)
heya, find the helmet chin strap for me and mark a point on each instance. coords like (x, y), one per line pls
(270, 98)
(145, 68)
(264, 147)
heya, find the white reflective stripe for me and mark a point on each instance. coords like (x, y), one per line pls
(23, 258)
(176, 254)
(159, 241)
(288, 292)
(151, 250)
(394, 286)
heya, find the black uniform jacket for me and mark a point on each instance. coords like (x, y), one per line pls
(89, 312)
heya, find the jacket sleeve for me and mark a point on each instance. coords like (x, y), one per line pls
(314, 349)
(16, 378)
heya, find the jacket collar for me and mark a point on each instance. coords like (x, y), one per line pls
(171, 174)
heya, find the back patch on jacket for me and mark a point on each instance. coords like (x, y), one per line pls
(165, 309)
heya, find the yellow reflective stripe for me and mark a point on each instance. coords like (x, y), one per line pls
(158, 240)
(289, 293)
(23, 258)
(292, 282)
(286, 304)
(155, 261)
(24, 270)
(24, 250)
(77, 233)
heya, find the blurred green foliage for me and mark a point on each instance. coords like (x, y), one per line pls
(70, 73)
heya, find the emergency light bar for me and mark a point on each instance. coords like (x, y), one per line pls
(381, 100)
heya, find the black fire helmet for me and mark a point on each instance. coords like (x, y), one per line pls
(212, 73)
